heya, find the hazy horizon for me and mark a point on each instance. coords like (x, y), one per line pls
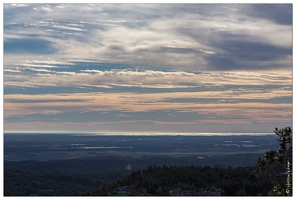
(144, 133)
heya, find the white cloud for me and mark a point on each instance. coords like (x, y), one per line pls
(12, 70)
(149, 78)
(38, 69)
(35, 65)
(19, 5)
(46, 8)
(144, 78)
(67, 28)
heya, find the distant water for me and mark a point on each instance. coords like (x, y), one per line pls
(70, 146)
(173, 134)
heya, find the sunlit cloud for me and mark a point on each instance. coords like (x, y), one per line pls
(133, 102)
(147, 78)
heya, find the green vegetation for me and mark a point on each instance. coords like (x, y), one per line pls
(278, 164)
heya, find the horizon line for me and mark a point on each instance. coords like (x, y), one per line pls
(106, 133)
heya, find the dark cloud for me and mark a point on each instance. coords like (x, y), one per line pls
(280, 100)
(43, 100)
(238, 52)
(178, 50)
(35, 46)
(48, 90)
(116, 48)
(256, 51)
(278, 13)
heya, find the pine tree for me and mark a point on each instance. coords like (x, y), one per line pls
(278, 163)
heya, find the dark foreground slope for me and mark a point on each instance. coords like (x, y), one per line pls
(21, 183)
(188, 181)
(81, 176)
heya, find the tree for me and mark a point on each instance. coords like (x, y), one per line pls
(278, 164)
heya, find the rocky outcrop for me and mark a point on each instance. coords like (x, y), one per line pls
(126, 191)
(210, 192)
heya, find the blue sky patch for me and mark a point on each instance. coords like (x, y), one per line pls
(28, 46)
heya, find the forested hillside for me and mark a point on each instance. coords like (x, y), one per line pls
(158, 181)
(81, 176)
(21, 183)
(271, 176)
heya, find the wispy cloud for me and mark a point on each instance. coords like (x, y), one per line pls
(144, 78)
(147, 66)
(20, 104)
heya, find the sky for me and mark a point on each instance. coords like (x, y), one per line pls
(147, 68)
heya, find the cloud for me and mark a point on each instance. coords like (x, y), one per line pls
(38, 69)
(147, 66)
(279, 13)
(24, 104)
(11, 70)
(204, 37)
(28, 65)
(68, 27)
(66, 75)
(238, 52)
(19, 5)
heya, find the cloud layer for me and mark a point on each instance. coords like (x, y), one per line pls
(189, 37)
(147, 67)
